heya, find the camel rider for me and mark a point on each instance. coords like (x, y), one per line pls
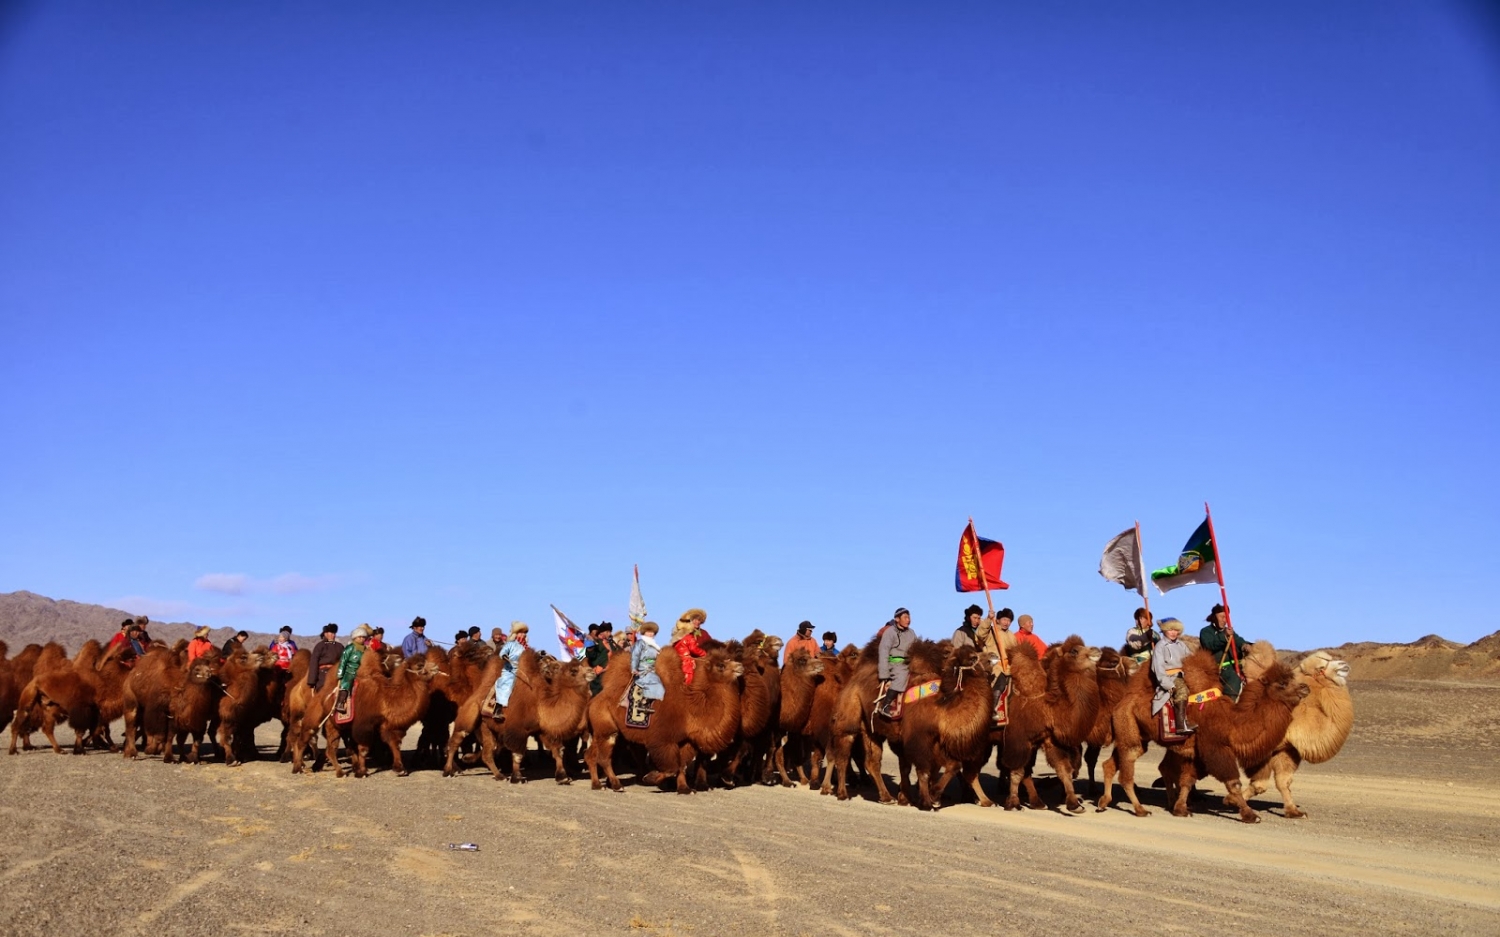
(325, 656)
(597, 655)
(685, 637)
(200, 644)
(510, 655)
(1169, 704)
(984, 633)
(1228, 648)
(643, 664)
(1141, 638)
(802, 641)
(284, 648)
(892, 663)
(349, 665)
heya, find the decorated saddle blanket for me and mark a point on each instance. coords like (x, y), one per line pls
(637, 710)
(1002, 708)
(921, 691)
(343, 715)
(1205, 697)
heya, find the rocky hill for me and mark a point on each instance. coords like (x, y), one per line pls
(26, 618)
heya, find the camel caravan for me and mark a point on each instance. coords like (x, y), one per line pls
(697, 713)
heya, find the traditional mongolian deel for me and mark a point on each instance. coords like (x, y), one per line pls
(976, 553)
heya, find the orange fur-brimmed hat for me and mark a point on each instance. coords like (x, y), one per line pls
(201, 631)
(697, 615)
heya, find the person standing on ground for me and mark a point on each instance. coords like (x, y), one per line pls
(416, 643)
(1025, 636)
(893, 663)
(325, 656)
(802, 641)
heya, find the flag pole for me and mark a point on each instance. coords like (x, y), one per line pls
(1223, 593)
(984, 581)
(1140, 556)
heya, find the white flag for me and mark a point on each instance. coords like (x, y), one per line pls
(637, 604)
(1122, 562)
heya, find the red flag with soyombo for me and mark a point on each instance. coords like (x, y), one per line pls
(976, 553)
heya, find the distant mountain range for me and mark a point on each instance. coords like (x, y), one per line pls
(26, 617)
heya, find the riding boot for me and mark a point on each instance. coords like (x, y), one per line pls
(1186, 725)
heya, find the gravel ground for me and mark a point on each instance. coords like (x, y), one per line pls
(1404, 837)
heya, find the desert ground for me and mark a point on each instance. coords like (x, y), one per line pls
(1403, 838)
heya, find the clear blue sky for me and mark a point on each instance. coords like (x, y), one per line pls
(343, 313)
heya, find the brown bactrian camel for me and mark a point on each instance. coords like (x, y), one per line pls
(817, 732)
(78, 691)
(550, 701)
(800, 676)
(854, 718)
(760, 706)
(472, 721)
(249, 680)
(384, 708)
(294, 702)
(1052, 708)
(1229, 734)
(193, 705)
(459, 670)
(15, 673)
(1113, 672)
(689, 722)
(949, 733)
(147, 699)
(1321, 724)
(33, 660)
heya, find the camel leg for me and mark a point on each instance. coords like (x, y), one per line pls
(487, 747)
(450, 766)
(516, 776)
(1107, 788)
(393, 742)
(331, 737)
(1091, 759)
(872, 767)
(226, 746)
(972, 778)
(838, 763)
(130, 749)
(1126, 762)
(1064, 766)
(903, 779)
(1284, 766)
(561, 774)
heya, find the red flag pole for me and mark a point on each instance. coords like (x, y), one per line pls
(1223, 593)
(973, 535)
(1140, 556)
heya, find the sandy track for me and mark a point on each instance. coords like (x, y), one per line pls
(95, 844)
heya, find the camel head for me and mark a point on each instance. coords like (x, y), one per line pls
(1074, 654)
(1282, 685)
(201, 670)
(806, 664)
(722, 667)
(1323, 666)
(1112, 663)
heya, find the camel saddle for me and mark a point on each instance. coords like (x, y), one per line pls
(638, 709)
(344, 714)
(1002, 708)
